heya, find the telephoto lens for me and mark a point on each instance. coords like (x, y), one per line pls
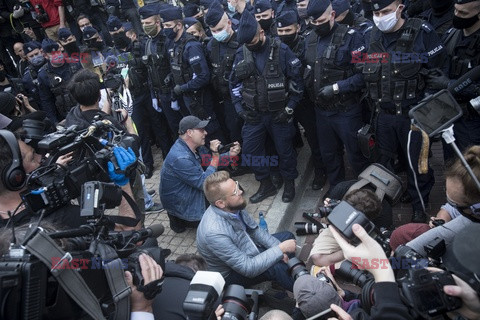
(235, 303)
(304, 228)
(296, 268)
(352, 274)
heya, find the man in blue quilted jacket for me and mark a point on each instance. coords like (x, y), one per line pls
(232, 243)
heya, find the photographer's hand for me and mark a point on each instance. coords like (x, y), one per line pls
(342, 314)
(151, 271)
(219, 312)
(471, 302)
(368, 249)
(63, 160)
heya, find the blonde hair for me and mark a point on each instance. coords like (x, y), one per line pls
(211, 186)
(458, 171)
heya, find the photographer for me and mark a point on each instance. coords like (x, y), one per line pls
(182, 175)
(19, 159)
(462, 194)
(326, 250)
(51, 15)
(233, 244)
(388, 304)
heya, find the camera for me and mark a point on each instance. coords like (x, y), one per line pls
(41, 16)
(344, 216)
(422, 290)
(296, 268)
(203, 296)
(324, 211)
(51, 186)
(304, 228)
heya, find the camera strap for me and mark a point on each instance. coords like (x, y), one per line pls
(128, 221)
(114, 272)
(46, 250)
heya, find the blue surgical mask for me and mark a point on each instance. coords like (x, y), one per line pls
(37, 60)
(169, 33)
(230, 7)
(221, 36)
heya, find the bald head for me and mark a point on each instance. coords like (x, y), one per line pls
(18, 49)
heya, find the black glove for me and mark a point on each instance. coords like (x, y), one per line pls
(436, 80)
(282, 117)
(249, 116)
(325, 94)
(178, 90)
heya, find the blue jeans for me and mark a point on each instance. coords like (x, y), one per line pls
(278, 272)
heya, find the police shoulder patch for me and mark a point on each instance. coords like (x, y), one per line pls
(351, 31)
(194, 58)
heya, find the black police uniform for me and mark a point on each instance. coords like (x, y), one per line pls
(395, 85)
(328, 61)
(55, 98)
(464, 55)
(264, 77)
(190, 71)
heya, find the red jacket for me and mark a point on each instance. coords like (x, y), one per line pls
(51, 8)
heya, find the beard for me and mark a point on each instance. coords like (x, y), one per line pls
(238, 207)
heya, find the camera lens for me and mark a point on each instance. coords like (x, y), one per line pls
(235, 303)
(356, 276)
(296, 268)
(304, 228)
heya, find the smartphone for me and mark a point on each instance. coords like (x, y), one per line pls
(436, 112)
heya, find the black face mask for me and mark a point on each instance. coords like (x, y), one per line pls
(349, 19)
(71, 48)
(289, 39)
(440, 7)
(265, 24)
(464, 23)
(121, 40)
(255, 47)
(3, 75)
(323, 29)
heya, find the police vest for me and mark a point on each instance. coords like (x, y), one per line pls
(390, 80)
(465, 58)
(265, 92)
(181, 72)
(323, 71)
(58, 86)
(222, 65)
(159, 66)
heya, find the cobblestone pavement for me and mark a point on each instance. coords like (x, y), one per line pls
(180, 243)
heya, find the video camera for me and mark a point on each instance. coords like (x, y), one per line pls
(52, 186)
(33, 275)
(203, 295)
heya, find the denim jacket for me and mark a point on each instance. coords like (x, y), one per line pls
(181, 182)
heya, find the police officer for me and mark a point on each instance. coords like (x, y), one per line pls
(151, 95)
(237, 7)
(344, 14)
(266, 87)
(463, 48)
(94, 41)
(395, 83)
(191, 75)
(53, 78)
(221, 51)
(334, 85)
(195, 28)
(122, 44)
(288, 30)
(69, 42)
(265, 15)
(36, 59)
(440, 15)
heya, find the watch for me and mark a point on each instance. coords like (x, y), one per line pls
(336, 90)
(288, 110)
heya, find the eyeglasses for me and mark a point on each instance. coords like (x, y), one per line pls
(235, 193)
(473, 209)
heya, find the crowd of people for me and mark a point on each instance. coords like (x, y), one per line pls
(229, 87)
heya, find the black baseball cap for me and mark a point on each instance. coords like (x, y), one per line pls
(191, 122)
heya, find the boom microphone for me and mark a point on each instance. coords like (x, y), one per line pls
(465, 80)
(153, 231)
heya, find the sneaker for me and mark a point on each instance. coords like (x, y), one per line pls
(152, 192)
(157, 207)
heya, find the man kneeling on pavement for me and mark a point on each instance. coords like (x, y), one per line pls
(232, 243)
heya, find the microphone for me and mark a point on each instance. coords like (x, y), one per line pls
(111, 62)
(465, 80)
(153, 231)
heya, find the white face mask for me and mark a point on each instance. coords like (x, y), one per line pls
(387, 22)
